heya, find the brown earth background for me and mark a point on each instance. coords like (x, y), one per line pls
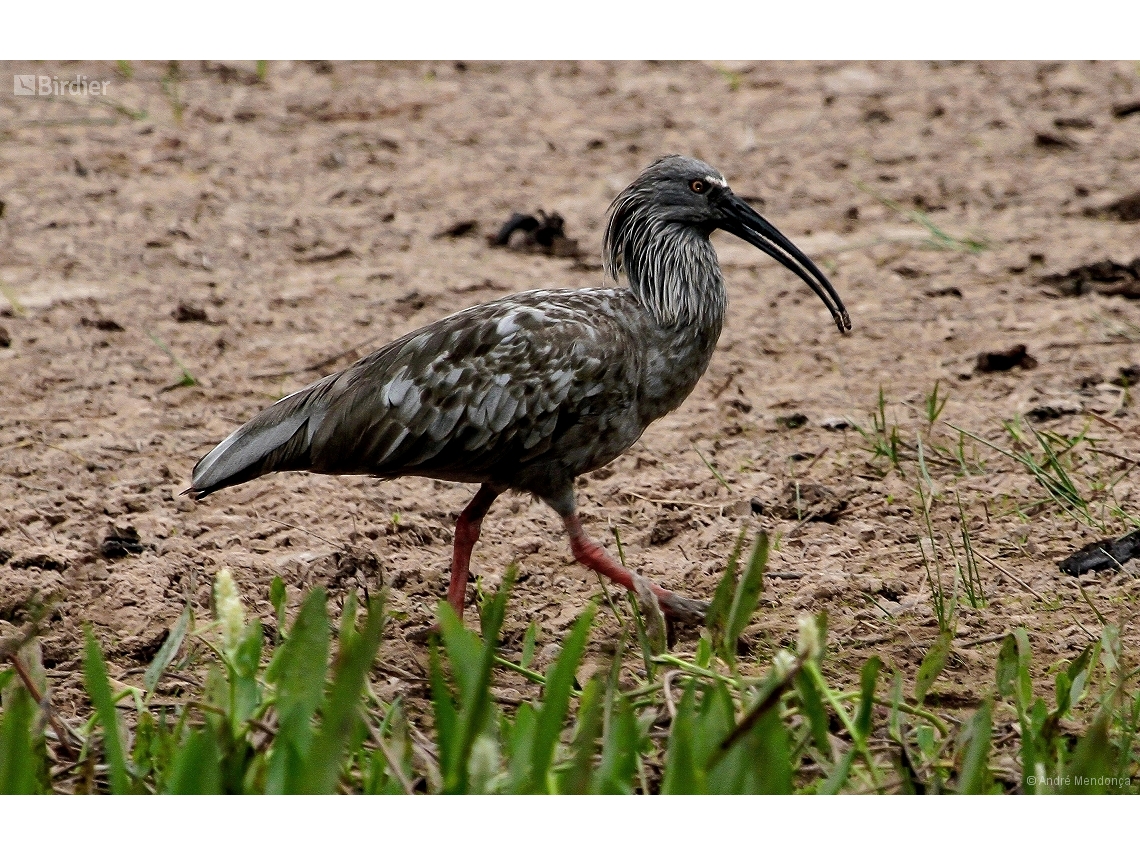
(268, 229)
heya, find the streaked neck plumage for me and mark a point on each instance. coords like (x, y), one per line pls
(671, 268)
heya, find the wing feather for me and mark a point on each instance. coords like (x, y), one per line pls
(474, 396)
(485, 387)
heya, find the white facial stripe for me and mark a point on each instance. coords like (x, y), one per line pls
(719, 182)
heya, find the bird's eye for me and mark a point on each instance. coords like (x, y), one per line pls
(697, 186)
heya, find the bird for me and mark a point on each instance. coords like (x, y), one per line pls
(527, 392)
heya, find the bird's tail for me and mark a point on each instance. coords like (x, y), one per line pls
(278, 439)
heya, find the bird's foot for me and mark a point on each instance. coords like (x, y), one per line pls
(682, 608)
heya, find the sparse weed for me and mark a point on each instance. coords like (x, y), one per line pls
(944, 605)
(172, 88)
(883, 442)
(1050, 471)
(957, 453)
(968, 573)
(938, 239)
(186, 379)
(964, 563)
(713, 470)
(884, 438)
(934, 405)
(732, 78)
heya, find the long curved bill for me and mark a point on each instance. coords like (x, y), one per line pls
(748, 225)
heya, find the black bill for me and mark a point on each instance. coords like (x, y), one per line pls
(748, 225)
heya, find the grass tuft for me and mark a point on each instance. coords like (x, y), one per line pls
(302, 719)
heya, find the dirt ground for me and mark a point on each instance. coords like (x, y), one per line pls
(266, 231)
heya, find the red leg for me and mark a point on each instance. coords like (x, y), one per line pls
(466, 534)
(591, 553)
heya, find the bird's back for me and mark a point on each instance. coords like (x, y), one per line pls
(518, 389)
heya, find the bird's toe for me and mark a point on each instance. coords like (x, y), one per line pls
(684, 609)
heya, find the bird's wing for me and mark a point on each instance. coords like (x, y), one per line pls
(488, 387)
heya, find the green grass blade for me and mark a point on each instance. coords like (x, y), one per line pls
(716, 719)
(529, 640)
(867, 679)
(245, 691)
(197, 765)
(620, 750)
(932, 665)
(712, 469)
(339, 713)
(839, 775)
(812, 706)
(446, 715)
(471, 665)
(1077, 673)
(187, 379)
(167, 651)
(464, 651)
(20, 760)
(716, 619)
(1007, 667)
(152, 748)
(576, 779)
(556, 698)
(1024, 684)
(298, 671)
(643, 642)
(747, 595)
(520, 743)
(279, 599)
(99, 688)
(620, 736)
(769, 754)
(683, 776)
(1091, 767)
(975, 778)
(655, 639)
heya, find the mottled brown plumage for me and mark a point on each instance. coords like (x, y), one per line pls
(532, 390)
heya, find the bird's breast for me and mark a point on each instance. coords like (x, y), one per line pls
(674, 362)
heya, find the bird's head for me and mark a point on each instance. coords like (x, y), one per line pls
(683, 192)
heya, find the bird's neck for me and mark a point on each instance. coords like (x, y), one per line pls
(676, 277)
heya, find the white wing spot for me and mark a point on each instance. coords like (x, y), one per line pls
(507, 325)
(397, 388)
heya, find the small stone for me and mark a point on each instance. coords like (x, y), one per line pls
(667, 526)
(1005, 360)
(1053, 410)
(805, 501)
(792, 421)
(528, 545)
(836, 423)
(186, 313)
(121, 541)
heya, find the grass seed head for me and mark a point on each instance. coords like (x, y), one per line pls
(809, 644)
(227, 605)
(783, 663)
